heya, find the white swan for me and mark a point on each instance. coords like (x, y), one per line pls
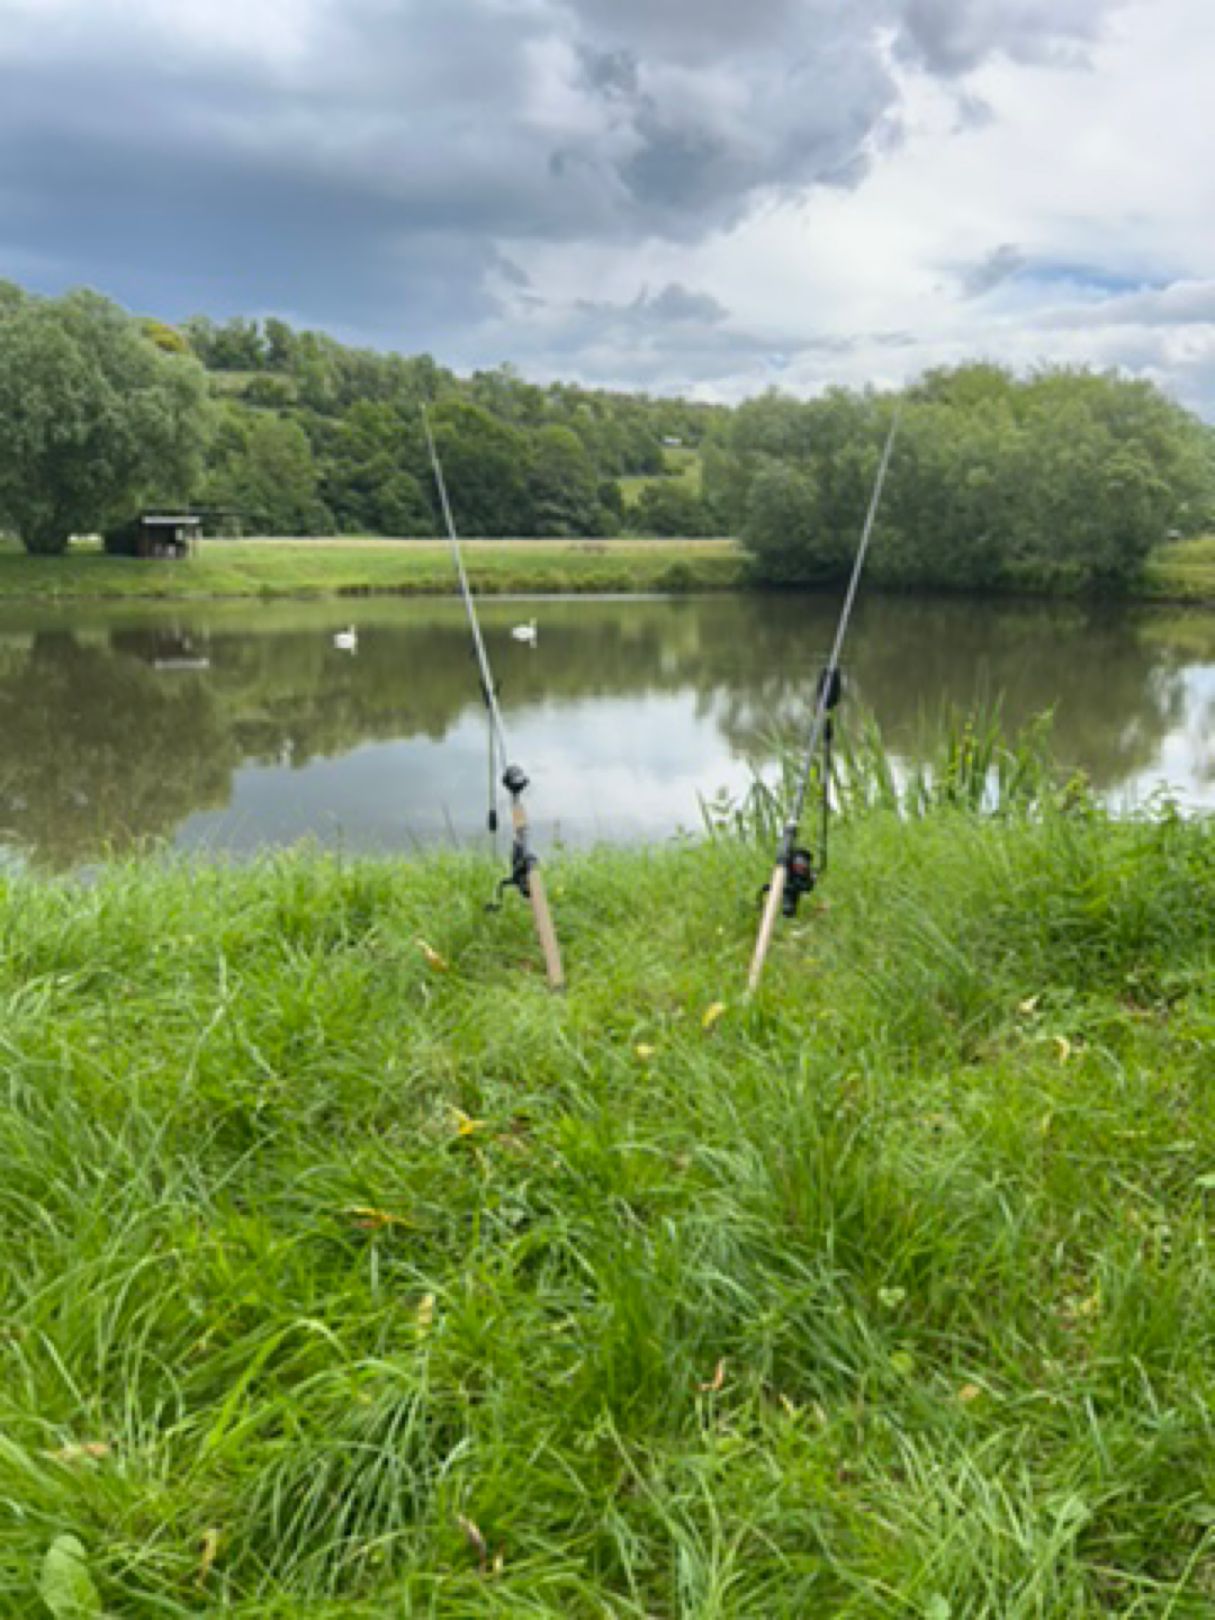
(525, 632)
(347, 640)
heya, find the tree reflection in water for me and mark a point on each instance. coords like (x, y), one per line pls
(115, 727)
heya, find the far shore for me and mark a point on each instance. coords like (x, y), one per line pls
(364, 565)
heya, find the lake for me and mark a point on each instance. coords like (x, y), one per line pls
(233, 727)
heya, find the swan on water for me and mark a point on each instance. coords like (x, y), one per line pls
(525, 632)
(347, 640)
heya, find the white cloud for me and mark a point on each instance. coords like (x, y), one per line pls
(1084, 188)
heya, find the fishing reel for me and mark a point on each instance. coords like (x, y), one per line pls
(519, 877)
(800, 878)
(514, 780)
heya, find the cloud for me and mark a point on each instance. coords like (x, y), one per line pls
(1181, 303)
(676, 303)
(953, 37)
(997, 266)
(542, 117)
(677, 339)
(492, 179)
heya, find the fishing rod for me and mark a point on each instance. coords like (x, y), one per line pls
(795, 873)
(524, 872)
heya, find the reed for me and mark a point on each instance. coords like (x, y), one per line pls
(961, 759)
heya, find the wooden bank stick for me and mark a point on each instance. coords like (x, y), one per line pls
(538, 900)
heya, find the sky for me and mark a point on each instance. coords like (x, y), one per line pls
(708, 197)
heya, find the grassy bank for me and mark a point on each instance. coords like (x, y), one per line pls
(1184, 572)
(349, 1273)
(357, 567)
(353, 567)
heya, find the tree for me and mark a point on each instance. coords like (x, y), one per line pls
(954, 510)
(485, 467)
(278, 480)
(996, 480)
(668, 507)
(782, 523)
(95, 420)
(1119, 466)
(372, 463)
(565, 490)
(237, 346)
(280, 345)
(164, 336)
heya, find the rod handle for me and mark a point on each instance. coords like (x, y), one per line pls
(545, 931)
(767, 926)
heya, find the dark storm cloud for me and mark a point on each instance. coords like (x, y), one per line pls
(358, 162)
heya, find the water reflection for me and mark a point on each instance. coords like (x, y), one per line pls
(238, 726)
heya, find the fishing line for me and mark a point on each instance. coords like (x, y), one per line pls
(524, 864)
(488, 690)
(794, 874)
(829, 682)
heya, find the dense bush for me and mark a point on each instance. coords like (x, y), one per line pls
(669, 508)
(994, 478)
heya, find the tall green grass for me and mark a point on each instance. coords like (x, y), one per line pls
(964, 759)
(346, 1277)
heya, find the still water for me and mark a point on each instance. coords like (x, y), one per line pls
(234, 727)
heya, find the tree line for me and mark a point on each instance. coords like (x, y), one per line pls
(315, 437)
(1067, 474)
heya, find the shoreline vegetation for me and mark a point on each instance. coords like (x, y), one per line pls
(1183, 572)
(352, 1273)
(1066, 478)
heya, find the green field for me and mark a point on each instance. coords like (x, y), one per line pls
(352, 567)
(350, 1273)
(683, 465)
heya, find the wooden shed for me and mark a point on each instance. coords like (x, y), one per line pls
(166, 534)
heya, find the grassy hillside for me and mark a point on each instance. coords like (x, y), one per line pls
(682, 464)
(350, 1273)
